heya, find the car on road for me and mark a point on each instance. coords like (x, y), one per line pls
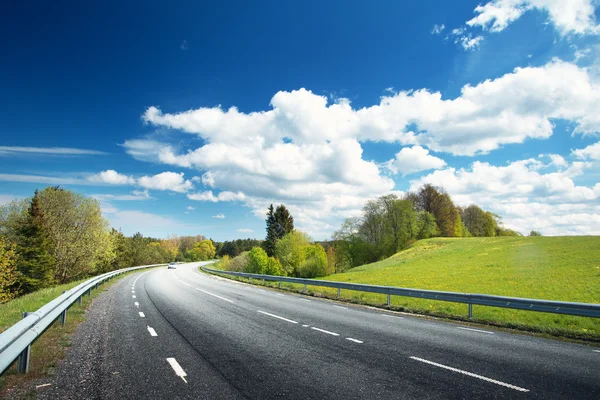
(172, 265)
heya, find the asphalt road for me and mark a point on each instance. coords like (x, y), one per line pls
(183, 334)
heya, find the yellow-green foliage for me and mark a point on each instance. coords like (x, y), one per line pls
(552, 268)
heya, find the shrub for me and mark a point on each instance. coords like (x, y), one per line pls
(239, 263)
(314, 264)
(258, 261)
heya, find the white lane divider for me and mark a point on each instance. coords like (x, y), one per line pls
(133, 291)
(305, 299)
(278, 317)
(324, 331)
(354, 340)
(142, 315)
(185, 283)
(215, 295)
(279, 294)
(460, 371)
(343, 308)
(597, 351)
(133, 297)
(475, 330)
(136, 304)
(152, 331)
(305, 326)
(391, 316)
(177, 368)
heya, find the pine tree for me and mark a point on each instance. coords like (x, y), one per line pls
(269, 243)
(35, 261)
(285, 221)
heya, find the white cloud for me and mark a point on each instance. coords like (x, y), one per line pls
(558, 160)
(55, 151)
(135, 195)
(50, 180)
(437, 29)
(111, 177)
(190, 208)
(222, 196)
(245, 230)
(414, 159)
(219, 216)
(524, 197)
(567, 16)
(468, 42)
(166, 181)
(306, 151)
(591, 152)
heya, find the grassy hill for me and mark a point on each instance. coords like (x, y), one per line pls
(552, 268)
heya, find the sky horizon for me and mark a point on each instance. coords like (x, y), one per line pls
(193, 119)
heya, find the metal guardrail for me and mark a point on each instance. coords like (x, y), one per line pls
(15, 342)
(549, 306)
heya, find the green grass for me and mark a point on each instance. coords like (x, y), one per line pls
(551, 268)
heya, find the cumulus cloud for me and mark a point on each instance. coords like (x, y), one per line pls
(414, 159)
(591, 152)
(219, 216)
(568, 17)
(135, 195)
(437, 29)
(190, 208)
(112, 177)
(222, 196)
(166, 181)
(525, 197)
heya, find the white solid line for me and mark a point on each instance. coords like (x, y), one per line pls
(152, 331)
(177, 368)
(354, 340)
(324, 331)
(216, 295)
(460, 371)
(136, 303)
(597, 351)
(142, 315)
(345, 308)
(133, 297)
(277, 316)
(185, 283)
(475, 330)
(391, 316)
(305, 299)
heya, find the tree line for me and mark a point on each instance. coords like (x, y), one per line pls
(58, 236)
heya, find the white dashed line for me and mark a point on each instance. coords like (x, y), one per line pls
(354, 340)
(279, 294)
(475, 330)
(344, 308)
(142, 315)
(305, 326)
(324, 331)
(597, 351)
(136, 303)
(177, 368)
(460, 371)
(152, 331)
(277, 316)
(185, 283)
(133, 297)
(133, 291)
(215, 295)
(305, 299)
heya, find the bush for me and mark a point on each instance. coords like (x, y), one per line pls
(239, 263)
(225, 263)
(258, 261)
(273, 267)
(314, 264)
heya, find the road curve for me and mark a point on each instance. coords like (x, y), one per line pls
(184, 334)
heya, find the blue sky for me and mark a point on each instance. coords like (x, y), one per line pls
(334, 103)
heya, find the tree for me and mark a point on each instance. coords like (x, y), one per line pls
(535, 233)
(426, 226)
(350, 245)
(78, 234)
(315, 262)
(291, 251)
(258, 260)
(400, 223)
(9, 276)
(170, 247)
(279, 223)
(36, 263)
(202, 251)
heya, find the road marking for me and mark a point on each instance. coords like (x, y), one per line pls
(133, 297)
(279, 294)
(142, 315)
(136, 303)
(185, 283)
(391, 316)
(216, 295)
(460, 371)
(597, 351)
(277, 316)
(475, 330)
(152, 331)
(133, 291)
(305, 326)
(345, 308)
(177, 368)
(324, 331)
(305, 299)
(354, 340)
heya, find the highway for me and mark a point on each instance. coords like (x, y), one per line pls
(184, 334)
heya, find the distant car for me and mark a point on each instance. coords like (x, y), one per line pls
(172, 265)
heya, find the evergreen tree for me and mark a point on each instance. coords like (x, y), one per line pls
(33, 246)
(279, 223)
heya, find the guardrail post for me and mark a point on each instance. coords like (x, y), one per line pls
(304, 291)
(263, 281)
(389, 299)
(79, 300)
(63, 315)
(89, 292)
(23, 360)
(279, 284)
(339, 292)
(470, 311)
